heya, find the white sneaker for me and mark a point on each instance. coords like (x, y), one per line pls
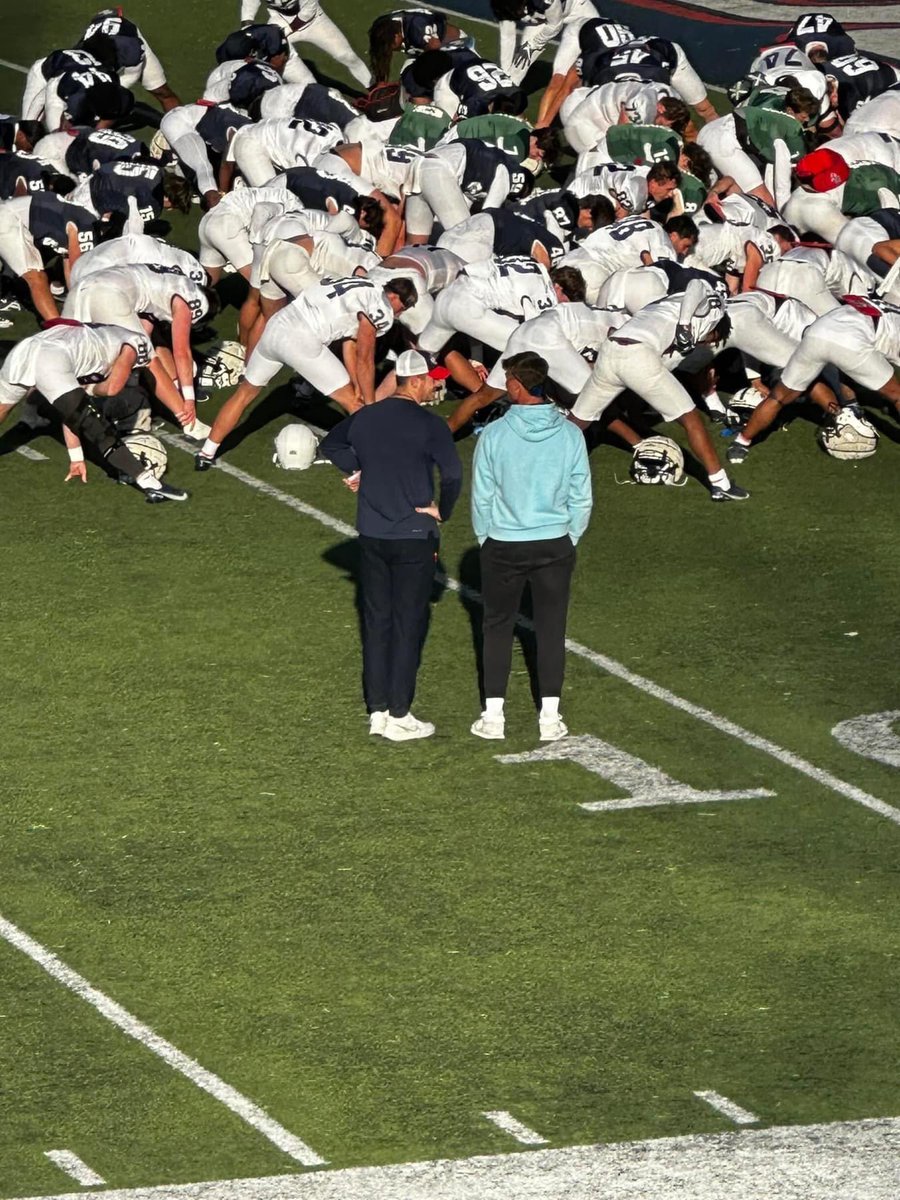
(196, 430)
(489, 728)
(405, 729)
(377, 722)
(552, 729)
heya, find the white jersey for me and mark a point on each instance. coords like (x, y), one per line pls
(288, 143)
(620, 245)
(655, 325)
(840, 274)
(859, 148)
(394, 170)
(516, 286)
(281, 101)
(57, 360)
(790, 316)
(136, 248)
(149, 290)
(270, 222)
(623, 186)
(243, 201)
(724, 247)
(602, 106)
(433, 266)
(332, 310)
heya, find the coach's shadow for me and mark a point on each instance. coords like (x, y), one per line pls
(470, 597)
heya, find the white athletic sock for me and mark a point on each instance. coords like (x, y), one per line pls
(148, 482)
(493, 706)
(742, 440)
(549, 707)
(713, 402)
(719, 479)
(209, 448)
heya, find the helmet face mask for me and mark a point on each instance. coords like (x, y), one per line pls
(658, 461)
(295, 448)
(149, 451)
(223, 368)
(741, 405)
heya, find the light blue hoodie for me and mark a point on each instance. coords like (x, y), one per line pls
(531, 477)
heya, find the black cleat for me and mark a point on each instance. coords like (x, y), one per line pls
(731, 493)
(165, 491)
(202, 462)
(737, 453)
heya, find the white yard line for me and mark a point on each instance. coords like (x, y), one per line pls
(33, 455)
(852, 1160)
(76, 1167)
(754, 740)
(508, 1123)
(728, 1108)
(13, 66)
(233, 1100)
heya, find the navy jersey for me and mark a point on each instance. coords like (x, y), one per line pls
(14, 167)
(92, 146)
(250, 81)
(48, 217)
(315, 188)
(858, 79)
(113, 183)
(821, 29)
(477, 82)
(218, 123)
(482, 163)
(255, 41)
(515, 234)
(679, 277)
(58, 62)
(560, 204)
(74, 87)
(317, 103)
(598, 35)
(646, 60)
(888, 219)
(124, 33)
(420, 26)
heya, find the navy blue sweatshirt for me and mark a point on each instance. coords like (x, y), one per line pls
(396, 444)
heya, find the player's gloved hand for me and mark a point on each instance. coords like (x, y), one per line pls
(521, 60)
(684, 342)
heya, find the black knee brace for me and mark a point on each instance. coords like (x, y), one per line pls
(77, 411)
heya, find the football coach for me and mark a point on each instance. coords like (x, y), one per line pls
(389, 451)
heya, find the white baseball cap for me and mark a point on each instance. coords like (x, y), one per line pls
(410, 363)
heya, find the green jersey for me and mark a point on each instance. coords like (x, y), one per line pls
(758, 127)
(634, 145)
(861, 189)
(500, 130)
(693, 192)
(421, 126)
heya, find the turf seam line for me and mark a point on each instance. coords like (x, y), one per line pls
(728, 1108)
(13, 66)
(232, 1099)
(508, 1123)
(754, 740)
(72, 1165)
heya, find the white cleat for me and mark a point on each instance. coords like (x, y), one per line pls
(552, 729)
(492, 729)
(377, 722)
(406, 729)
(196, 430)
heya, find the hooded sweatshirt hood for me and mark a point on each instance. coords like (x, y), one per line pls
(534, 422)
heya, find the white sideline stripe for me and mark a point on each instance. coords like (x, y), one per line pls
(786, 757)
(845, 1160)
(192, 1070)
(728, 1108)
(76, 1167)
(34, 455)
(13, 66)
(508, 1123)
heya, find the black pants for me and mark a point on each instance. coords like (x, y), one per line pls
(505, 569)
(396, 576)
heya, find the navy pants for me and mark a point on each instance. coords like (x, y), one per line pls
(396, 577)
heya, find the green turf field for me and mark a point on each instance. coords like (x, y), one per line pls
(375, 943)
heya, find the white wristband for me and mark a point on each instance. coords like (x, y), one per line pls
(76, 454)
(188, 393)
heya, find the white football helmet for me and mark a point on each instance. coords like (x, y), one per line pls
(850, 435)
(741, 405)
(223, 367)
(658, 460)
(295, 448)
(149, 451)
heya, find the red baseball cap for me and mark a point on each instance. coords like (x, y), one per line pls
(823, 170)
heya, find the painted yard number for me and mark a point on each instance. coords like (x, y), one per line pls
(645, 786)
(871, 735)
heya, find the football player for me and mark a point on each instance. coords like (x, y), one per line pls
(306, 21)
